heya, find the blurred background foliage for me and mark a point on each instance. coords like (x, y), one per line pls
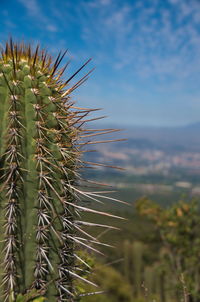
(156, 256)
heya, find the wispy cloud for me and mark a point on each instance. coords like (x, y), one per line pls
(32, 7)
(34, 10)
(51, 27)
(143, 36)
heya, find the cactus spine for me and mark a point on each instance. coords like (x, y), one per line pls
(39, 159)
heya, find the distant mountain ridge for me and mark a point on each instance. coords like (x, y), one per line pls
(185, 138)
(157, 160)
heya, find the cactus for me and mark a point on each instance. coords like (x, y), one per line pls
(138, 249)
(134, 264)
(149, 278)
(127, 258)
(42, 134)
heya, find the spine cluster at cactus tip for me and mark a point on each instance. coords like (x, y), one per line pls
(42, 136)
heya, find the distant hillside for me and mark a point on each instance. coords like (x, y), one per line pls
(161, 155)
(166, 138)
(162, 163)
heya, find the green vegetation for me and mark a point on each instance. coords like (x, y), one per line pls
(32, 296)
(156, 255)
(179, 228)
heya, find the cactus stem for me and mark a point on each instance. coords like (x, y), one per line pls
(41, 141)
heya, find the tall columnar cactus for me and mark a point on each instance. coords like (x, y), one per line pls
(138, 249)
(127, 260)
(41, 132)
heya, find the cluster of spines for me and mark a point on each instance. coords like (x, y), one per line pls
(43, 166)
(36, 91)
(12, 185)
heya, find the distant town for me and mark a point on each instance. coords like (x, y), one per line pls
(155, 160)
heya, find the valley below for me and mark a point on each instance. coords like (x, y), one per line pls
(161, 163)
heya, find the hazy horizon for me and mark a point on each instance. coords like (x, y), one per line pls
(107, 122)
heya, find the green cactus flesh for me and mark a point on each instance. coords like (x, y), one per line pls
(39, 160)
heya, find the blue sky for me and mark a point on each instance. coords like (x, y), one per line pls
(146, 53)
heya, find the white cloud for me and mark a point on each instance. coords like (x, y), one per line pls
(139, 37)
(97, 3)
(31, 6)
(105, 2)
(34, 10)
(51, 27)
(143, 36)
